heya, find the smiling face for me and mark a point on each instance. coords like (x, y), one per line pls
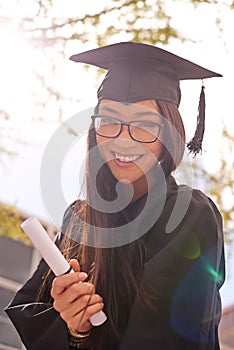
(127, 158)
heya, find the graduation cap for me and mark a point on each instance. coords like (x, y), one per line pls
(138, 72)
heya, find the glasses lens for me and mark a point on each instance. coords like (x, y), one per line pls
(145, 131)
(106, 126)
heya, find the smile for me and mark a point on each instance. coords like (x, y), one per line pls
(126, 158)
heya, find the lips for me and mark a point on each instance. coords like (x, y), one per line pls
(126, 158)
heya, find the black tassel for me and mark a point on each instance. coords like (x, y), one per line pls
(195, 145)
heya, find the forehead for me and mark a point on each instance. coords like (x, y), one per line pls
(146, 109)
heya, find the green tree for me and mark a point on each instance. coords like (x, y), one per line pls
(10, 223)
(219, 185)
(52, 27)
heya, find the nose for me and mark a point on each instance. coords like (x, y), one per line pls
(124, 133)
(124, 140)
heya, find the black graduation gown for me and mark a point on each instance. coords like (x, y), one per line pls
(185, 267)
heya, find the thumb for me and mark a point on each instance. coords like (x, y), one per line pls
(74, 265)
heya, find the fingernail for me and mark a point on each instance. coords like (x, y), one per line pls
(83, 275)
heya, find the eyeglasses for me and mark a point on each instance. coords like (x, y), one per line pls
(142, 131)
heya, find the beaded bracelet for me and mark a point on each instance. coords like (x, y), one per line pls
(74, 342)
(76, 339)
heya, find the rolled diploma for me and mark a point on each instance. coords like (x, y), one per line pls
(52, 255)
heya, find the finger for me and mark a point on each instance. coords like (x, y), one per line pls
(80, 321)
(74, 292)
(60, 283)
(92, 310)
(84, 315)
(71, 310)
(75, 265)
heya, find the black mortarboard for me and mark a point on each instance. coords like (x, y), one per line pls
(139, 72)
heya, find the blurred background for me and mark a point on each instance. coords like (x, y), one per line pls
(40, 89)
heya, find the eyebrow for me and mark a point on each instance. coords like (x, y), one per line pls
(108, 109)
(138, 114)
(145, 113)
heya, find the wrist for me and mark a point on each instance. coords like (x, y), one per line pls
(77, 334)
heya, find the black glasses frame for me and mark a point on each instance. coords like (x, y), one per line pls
(128, 124)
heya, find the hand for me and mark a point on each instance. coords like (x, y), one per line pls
(76, 302)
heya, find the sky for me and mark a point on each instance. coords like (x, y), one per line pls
(20, 175)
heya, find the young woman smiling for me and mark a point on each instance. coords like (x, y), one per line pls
(146, 251)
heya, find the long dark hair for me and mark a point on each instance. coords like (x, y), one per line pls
(175, 134)
(116, 271)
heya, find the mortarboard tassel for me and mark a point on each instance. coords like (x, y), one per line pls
(195, 145)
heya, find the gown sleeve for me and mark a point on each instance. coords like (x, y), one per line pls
(38, 323)
(183, 278)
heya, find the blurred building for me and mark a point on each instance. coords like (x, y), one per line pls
(17, 262)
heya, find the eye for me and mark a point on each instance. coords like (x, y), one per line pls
(101, 121)
(106, 120)
(106, 126)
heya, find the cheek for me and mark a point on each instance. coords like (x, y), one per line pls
(102, 144)
(155, 149)
(99, 139)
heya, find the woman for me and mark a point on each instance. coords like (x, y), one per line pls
(149, 252)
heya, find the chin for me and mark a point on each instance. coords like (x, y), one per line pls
(126, 175)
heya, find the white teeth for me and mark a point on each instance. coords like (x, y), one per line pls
(126, 158)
